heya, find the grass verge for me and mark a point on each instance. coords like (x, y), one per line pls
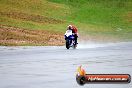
(97, 20)
(12, 36)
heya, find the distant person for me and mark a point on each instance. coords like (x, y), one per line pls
(74, 31)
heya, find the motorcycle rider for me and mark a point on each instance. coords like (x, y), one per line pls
(74, 31)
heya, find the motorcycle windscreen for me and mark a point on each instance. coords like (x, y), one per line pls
(68, 33)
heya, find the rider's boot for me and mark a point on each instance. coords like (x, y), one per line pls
(76, 41)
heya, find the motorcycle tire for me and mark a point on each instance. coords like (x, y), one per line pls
(67, 44)
(74, 46)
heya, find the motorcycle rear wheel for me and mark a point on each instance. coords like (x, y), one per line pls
(74, 46)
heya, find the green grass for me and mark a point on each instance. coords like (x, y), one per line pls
(33, 7)
(93, 17)
(100, 12)
(32, 25)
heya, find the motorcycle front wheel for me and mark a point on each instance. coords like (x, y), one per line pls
(67, 44)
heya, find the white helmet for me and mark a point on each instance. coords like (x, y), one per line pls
(70, 26)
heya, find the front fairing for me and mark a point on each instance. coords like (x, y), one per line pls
(69, 35)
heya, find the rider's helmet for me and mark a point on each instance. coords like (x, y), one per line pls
(70, 27)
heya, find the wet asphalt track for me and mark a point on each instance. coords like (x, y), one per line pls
(55, 67)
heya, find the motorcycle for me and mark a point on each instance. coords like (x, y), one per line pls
(70, 39)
